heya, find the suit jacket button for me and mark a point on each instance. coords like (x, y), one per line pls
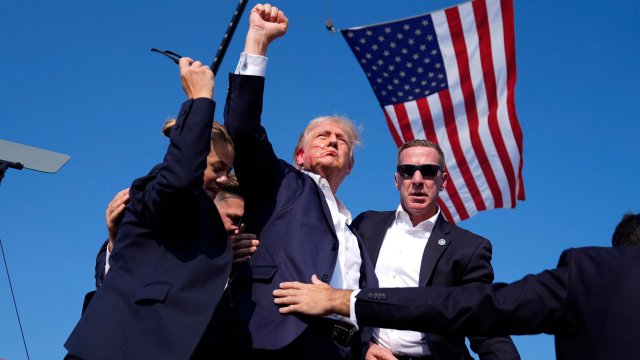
(383, 296)
(334, 246)
(370, 295)
(325, 278)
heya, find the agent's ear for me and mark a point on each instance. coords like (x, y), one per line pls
(445, 179)
(300, 158)
(396, 180)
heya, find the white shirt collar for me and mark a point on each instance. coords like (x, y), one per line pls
(323, 184)
(402, 219)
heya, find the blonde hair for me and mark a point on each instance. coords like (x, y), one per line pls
(219, 135)
(168, 126)
(218, 132)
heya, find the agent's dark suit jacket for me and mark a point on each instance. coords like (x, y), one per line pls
(464, 258)
(589, 302)
(171, 259)
(289, 213)
(101, 260)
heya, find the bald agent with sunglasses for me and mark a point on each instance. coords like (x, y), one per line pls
(415, 246)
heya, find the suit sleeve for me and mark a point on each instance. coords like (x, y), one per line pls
(480, 271)
(536, 304)
(256, 165)
(179, 176)
(101, 261)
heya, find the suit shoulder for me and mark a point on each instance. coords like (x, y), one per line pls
(459, 232)
(598, 255)
(371, 216)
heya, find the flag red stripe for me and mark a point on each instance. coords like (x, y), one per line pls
(462, 57)
(404, 122)
(510, 54)
(430, 134)
(475, 118)
(445, 211)
(458, 204)
(392, 129)
(488, 72)
(427, 119)
(458, 154)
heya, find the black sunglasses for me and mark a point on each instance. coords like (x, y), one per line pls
(407, 170)
(168, 53)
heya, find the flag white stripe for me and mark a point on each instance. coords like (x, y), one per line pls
(467, 19)
(457, 99)
(411, 107)
(444, 197)
(445, 145)
(494, 12)
(394, 120)
(477, 77)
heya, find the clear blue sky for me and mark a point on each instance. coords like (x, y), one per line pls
(77, 77)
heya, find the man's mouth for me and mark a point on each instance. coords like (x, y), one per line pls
(420, 196)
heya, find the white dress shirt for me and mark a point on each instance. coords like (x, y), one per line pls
(346, 274)
(398, 265)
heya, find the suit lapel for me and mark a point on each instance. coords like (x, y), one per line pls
(436, 246)
(367, 269)
(325, 207)
(376, 235)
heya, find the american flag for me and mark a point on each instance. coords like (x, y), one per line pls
(449, 77)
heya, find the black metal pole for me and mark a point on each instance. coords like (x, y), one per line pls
(15, 305)
(4, 165)
(227, 36)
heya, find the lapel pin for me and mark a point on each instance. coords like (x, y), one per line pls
(442, 242)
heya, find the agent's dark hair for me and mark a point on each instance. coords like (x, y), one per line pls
(627, 232)
(232, 187)
(423, 143)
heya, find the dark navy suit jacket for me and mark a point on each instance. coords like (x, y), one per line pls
(463, 258)
(289, 213)
(589, 302)
(101, 260)
(170, 262)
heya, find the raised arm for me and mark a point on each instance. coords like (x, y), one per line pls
(170, 186)
(256, 165)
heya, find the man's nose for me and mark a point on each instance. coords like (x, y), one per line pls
(333, 140)
(417, 178)
(222, 177)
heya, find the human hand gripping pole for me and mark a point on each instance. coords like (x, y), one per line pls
(197, 79)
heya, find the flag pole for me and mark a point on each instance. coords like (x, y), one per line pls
(228, 35)
(329, 25)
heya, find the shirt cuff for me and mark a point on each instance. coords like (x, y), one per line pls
(352, 307)
(106, 262)
(250, 64)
